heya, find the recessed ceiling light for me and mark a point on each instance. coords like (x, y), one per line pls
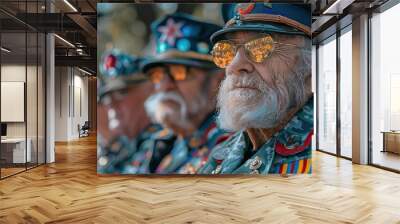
(65, 41)
(84, 71)
(338, 6)
(5, 49)
(70, 5)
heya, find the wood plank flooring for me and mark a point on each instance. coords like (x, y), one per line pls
(10, 171)
(69, 191)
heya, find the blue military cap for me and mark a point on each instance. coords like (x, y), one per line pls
(182, 39)
(266, 17)
(119, 70)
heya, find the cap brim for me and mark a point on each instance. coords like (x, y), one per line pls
(271, 28)
(120, 84)
(147, 64)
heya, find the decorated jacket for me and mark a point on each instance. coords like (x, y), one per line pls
(151, 151)
(287, 152)
(115, 158)
(190, 153)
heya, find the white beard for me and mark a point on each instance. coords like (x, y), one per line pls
(158, 113)
(241, 108)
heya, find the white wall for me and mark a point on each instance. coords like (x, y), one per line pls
(12, 73)
(80, 115)
(33, 126)
(71, 93)
(16, 73)
(61, 103)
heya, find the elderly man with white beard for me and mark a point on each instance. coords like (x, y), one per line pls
(266, 96)
(122, 89)
(186, 82)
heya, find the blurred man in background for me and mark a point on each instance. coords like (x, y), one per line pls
(185, 82)
(121, 115)
(266, 96)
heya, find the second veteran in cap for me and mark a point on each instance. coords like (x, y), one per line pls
(122, 121)
(186, 81)
(266, 96)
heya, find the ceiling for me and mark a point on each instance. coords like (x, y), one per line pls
(76, 22)
(72, 20)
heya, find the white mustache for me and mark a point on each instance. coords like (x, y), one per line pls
(154, 100)
(244, 80)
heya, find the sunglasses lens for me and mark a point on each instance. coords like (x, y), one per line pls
(156, 75)
(178, 72)
(259, 49)
(223, 53)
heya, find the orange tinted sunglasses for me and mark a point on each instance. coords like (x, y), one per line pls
(175, 72)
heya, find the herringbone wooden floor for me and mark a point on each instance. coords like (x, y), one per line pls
(69, 191)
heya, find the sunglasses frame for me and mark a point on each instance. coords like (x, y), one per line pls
(167, 71)
(236, 47)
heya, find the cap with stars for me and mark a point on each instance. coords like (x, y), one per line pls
(266, 17)
(119, 70)
(182, 39)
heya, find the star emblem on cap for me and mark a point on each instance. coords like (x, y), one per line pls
(110, 61)
(170, 32)
(244, 8)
